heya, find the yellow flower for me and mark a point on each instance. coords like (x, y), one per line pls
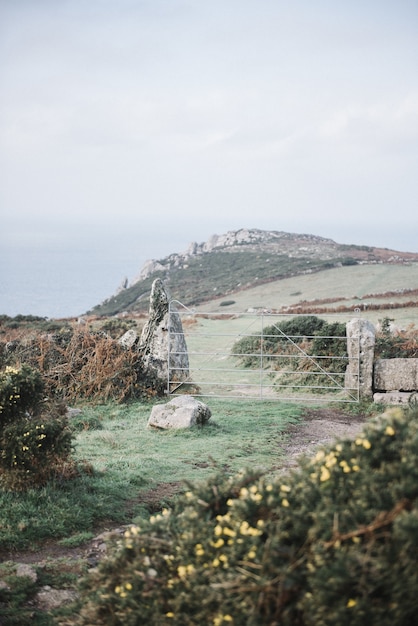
(363, 442)
(182, 571)
(285, 488)
(285, 502)
(229, 532)
(325, 474)
(351, 603)
(199, 550)
(169, 614)
(252, 554)
(389, 431)
(220, 619)
(219, 543)
(128, 586)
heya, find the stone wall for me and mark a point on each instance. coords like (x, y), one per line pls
(389, 381)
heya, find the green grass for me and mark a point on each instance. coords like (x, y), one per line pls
(130, 460)
(352, 282)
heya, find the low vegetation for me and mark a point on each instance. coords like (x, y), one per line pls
(335, 542)
(123, 462)
(332, 542)
(35, 440)
(79, 363)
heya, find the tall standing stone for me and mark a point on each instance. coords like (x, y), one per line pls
(360, 348)
(162, 340)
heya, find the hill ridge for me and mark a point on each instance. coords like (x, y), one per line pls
(240, 259)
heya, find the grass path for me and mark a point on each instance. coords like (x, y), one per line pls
(129, 460)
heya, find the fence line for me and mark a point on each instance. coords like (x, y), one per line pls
(216, 369)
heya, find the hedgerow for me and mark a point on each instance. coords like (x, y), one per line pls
(333, 542)
(81, 364)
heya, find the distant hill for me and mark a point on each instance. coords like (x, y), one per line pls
(240, 260)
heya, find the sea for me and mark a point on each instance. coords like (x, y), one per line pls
(61, 282)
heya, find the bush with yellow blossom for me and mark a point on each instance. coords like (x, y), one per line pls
(34, 441)
(333, 542)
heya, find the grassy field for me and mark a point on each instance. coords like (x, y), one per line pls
(351, 282)
(130, 461)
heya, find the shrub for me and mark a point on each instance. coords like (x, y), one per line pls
(300, 352)
(34, 446)
(335, 542)
(83, 364)
(33, 452)
(274, 337)
(21, 390)
(397, 344)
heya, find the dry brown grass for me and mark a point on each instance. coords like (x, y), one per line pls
(77, 363)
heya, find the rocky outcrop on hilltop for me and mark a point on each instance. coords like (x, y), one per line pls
(251, 239)
(292, 245)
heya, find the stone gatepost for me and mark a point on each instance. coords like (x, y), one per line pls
(162, 341)
(360, 348)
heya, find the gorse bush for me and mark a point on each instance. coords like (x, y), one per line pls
(21, 390)
(33, 450)
(35, 441)
(334, 542)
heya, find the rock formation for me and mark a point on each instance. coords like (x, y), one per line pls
(162, 341)
(360, 348)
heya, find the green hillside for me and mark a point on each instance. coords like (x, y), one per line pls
(242, 260)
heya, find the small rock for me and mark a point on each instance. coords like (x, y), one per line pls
(392, 397)
(181, 412)
(129, 339)
(26, 571)
(48, 598)
(73, 412)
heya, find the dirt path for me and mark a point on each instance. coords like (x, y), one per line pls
(319, 427)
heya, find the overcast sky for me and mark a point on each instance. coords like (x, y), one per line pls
(159, 122)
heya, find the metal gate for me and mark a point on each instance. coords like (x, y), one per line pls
(248, 355)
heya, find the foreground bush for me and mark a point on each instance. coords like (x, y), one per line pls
(335, 542)
(35, 440)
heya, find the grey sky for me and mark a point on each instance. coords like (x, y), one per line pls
(166, 121)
